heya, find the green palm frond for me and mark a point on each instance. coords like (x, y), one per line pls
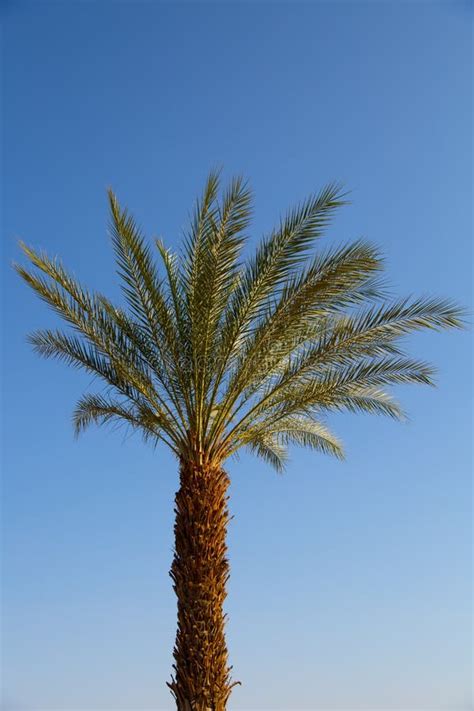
(196, 243)
(277, 259)
(144, 292)
(126, 380)
(270, 450)
(209, 276)
(372, 400)
(98, 409)
(212, 353)
(294, 429)
(333, 281)
(175, 292)
(136, 269)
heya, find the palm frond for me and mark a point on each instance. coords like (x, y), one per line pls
(209, 277)
(277, 258)
(333, 281)
(98, 409)
(270, 450)
(128, 382)
(293, 429)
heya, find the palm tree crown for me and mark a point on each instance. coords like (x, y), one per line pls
(213, 354)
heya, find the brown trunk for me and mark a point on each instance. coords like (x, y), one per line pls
(200, 571)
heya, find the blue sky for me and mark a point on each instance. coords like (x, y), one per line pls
(350, 581)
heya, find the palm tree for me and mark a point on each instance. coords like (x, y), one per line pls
(212, 354)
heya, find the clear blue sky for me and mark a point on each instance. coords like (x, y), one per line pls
(350, 581)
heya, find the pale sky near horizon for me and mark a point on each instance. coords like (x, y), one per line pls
(351, 581)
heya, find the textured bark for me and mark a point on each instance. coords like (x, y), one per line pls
(200, 571)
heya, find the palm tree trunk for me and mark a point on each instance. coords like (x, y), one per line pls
(200, 571)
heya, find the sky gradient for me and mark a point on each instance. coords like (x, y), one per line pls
(350, 584)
